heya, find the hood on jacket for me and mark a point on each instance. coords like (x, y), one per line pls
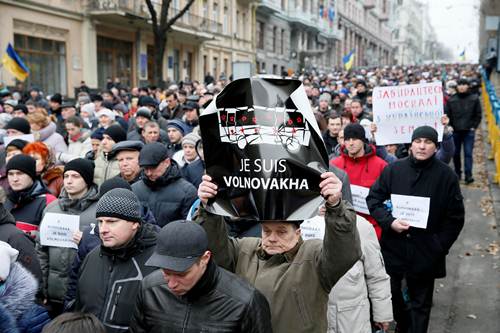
(143, 239)
(76, 206)
(369, 152)
(47, 131)
(19, 292)
(172, 174)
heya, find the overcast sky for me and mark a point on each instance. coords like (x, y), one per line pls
(456, 23)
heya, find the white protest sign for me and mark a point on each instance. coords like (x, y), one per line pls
(313, 228)
(359, 194)
(25, 137)
(58, 229)
(412, 209)
(399, 110)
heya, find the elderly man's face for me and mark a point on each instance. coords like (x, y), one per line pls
(279, 237)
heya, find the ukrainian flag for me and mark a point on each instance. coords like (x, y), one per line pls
(348, 60)
(13, 63)
(461, 56)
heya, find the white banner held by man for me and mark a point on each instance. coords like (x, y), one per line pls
(399, 110)
(58, 229)
(359, 194)
(411, 209)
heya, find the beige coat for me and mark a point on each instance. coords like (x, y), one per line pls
(104, 169)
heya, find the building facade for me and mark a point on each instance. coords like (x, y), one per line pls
(66, 42)
(489, 29)
(408, 32)
(365, 30)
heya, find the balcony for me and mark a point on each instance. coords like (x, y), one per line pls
(118, 7)
(199, 23)
(269, 6)
(300, 17)
(369, 4)
(329, 31)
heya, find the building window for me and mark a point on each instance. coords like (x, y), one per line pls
(263, 67)
(283, 72)
(244, 25)
(215, 12)
(226, 67)
(205, 8)
(275, 36)
(282, 41)
(275, 69)
(215, 67)
(260, 35)
(114, 60)
(225, 24)
(46, 60)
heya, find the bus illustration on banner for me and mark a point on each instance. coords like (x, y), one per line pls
(255, 125)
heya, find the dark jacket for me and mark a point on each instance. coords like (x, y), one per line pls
(56, 261)
(169, 197)
(193, 172)
(19, 241)
(296, 283)
(330, 142)
(418, 252)
(464, 111)
(27, 206)
(219, 302)
(110, 279)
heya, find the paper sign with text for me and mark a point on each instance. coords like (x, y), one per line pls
(399, 110)
(313, 228)
(412, 209)
(359, 194)
(58, 229)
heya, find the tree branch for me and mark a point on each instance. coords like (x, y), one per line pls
(165, 5)
(179, 14)
(154, 16)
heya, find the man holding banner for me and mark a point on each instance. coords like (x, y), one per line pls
(426, 218)
(266, 161)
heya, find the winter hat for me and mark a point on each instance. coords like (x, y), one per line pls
(425, 132)
(153, 154)
(191, 139)
(56, 98)
(178, 125)
(106, 112)
(84, 167)
(20, 124)
(97, 134)
(23, 163)
(147, 101)
(463, 81)
(21, 107)
(143, 111)
(18, 143)
(121, 107)
(112, 183)
(120, 203)
(354, 131)
(88, 108)
(8, 256)
(116, 132)
(325, 97)
(11, 102)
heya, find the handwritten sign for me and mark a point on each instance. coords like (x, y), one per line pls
(359, 194)
(58, 229)
(313, 228)
(412, 209)
(399, 110)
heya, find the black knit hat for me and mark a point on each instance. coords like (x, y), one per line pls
(19, 124)
(18, 143)
(120, 203)
(84, 167)
(23, 163)
(22, 108)
(116, 132)
(354, 131)
(115, 182)
(56, 98)
(425, 132)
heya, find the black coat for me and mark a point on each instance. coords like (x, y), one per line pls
(109, 280)
(169, 197)
(464, 111)
(330, 142)
(9, 233)
(219, 302)
(418, 252)
(193, 172)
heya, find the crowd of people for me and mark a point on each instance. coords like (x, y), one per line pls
(129, 163)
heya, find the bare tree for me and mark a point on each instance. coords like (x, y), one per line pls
(161, 27)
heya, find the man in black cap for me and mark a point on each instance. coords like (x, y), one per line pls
(106, 165)
(219, 300)
(79, 196)
(127, 155)
(191, 115)
(152, 105)
(55, 105)
(142, 116)
(417, 253)
(111, 274)
(68, 110)
(20, 111)
(27, 196)
(18, 126)
(162, 187)
(464, 111)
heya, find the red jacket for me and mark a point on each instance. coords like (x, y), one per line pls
(362, 171)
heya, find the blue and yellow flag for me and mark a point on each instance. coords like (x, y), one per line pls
(13, 63)
(348, 60)
(461, 56)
